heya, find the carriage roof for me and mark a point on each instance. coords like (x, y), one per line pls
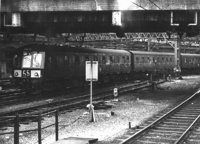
(54, 48)
(150, 53)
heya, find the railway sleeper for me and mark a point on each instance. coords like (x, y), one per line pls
(180, 120)
(193, 141)
(187, 115)
(169, 134)
(169, 131)
(175, 125)
(158, 137)
(171, 128)
(183, 117)
(149, 141)
(195, 135)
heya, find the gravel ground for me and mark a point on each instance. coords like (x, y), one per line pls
(134, 107)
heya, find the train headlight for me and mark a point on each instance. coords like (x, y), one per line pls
(17, 73)
(35, 73)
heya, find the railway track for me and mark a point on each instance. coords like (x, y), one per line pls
(68, 103)
(12, 97)
(179, 125)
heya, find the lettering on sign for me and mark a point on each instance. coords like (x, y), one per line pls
(26, 73)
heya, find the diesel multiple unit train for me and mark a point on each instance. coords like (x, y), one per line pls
(49, 66)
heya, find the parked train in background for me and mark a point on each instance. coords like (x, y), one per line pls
(49, 66)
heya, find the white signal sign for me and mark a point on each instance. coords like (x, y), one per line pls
(17, 73)
(117, 18)
(91, 70)
(115, 92)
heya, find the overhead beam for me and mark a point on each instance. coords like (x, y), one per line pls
(91, 5)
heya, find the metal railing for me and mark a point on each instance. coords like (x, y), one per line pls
(17, 131)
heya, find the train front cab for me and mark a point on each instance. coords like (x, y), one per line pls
(28, 69)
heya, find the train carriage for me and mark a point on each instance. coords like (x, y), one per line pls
(150, 62)
(44, 65)
(49, 66)
(190, 63)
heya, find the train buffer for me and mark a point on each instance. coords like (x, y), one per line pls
(76, 140)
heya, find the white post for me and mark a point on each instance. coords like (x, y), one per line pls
(91, 106)
(91, 84)
(177, 55)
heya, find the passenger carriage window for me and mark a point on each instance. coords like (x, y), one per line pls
(186, 59)
(137, 59)
(66, 60)
(100, 59)
(163, 59)
(158, 60)
(111, 59)
(49, 60)
(190, 60)
(90, 58)
(154, 60)
(86, 58)
(103, 60)
(71, 59)
(95, 58)
(142, 60)
(127, 59)
(77, 60)
(117, 59)
(107, 60)
(123, 59)
(148, 60)
(60, 59)
(151, 60)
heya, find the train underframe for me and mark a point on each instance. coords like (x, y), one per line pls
(43, 85)
(187, 71)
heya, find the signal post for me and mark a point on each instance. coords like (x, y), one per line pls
(91, 75)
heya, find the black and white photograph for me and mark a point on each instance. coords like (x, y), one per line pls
(99, 71)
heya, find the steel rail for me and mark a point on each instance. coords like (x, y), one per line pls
(161, 118)
(187, 130)
(69, 103)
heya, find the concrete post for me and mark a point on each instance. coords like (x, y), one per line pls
(177, 53)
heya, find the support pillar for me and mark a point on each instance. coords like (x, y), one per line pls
(177, 59)
(177, 54)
